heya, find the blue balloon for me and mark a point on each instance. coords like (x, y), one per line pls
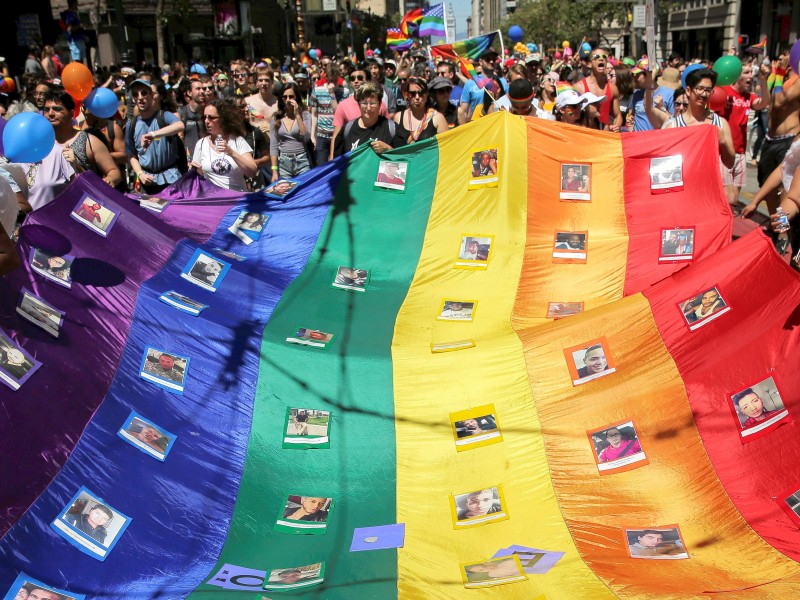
(532, 47)
(313, 54)
(515, 33)
(28, 137)
(102, 102)
(586, 46)
(688, 70)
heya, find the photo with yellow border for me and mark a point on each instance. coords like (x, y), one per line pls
(484, 168)
(474, 251)
(475, 427)
(478, 507)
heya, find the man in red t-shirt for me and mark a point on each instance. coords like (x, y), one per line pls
(739, 103)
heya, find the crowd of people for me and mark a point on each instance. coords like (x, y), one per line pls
(245, 125)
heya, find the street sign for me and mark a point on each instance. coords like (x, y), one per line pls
(639, 21)
(329, 5)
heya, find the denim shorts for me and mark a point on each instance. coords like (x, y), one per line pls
(292, 165)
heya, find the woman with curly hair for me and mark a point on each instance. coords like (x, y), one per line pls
(223, 156)
(289, 134)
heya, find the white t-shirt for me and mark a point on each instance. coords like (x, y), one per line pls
(504, 103)
(221, 169)
(48, 178)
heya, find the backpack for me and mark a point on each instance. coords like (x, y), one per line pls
(175, 141)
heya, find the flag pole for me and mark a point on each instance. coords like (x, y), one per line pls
(502, 47)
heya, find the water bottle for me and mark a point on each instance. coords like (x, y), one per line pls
(782, 223)
(219, 143)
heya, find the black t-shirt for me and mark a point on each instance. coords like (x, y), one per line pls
(357, 136)
(194, 127)
(257, 140)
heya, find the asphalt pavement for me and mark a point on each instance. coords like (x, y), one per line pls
(751, 187)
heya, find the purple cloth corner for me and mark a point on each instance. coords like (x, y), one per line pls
(388, 536)
(197, 206)
(541, 566)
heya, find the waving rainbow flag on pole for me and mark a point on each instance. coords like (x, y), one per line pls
(432, 23)
(410, 23)
(460, 52)
(396, 40)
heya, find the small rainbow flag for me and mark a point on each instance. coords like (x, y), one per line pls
(410, 22)
(396, 40)
(460, 52)
(758, 48)
(562, 86)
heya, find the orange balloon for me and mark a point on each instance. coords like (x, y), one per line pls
(9, 85)
(77, 80)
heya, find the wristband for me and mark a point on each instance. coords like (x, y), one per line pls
(274, 167)
(778, 89)
(780, 72)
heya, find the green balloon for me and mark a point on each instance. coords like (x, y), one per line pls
(729, 69)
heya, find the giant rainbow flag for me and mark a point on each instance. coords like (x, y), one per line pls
(715, 491)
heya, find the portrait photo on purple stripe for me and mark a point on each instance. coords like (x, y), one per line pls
(16, 365)
(92, 214)
(52, 266)
(39, 312)
(90, 524)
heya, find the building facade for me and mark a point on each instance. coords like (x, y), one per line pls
(709, 28)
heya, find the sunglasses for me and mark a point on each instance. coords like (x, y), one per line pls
(358, 78)
(210, 118)
(207, 88)
(599, 56)
(242, 75)
(141, 94)
(402, 79)
(417, 93)
(288, 96)
(684, 104)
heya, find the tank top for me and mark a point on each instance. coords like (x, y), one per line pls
(605, 107)
(428, 132)
(715, 121)
(79, 148)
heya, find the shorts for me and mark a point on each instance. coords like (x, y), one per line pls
(772, 154)
(737, 176)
